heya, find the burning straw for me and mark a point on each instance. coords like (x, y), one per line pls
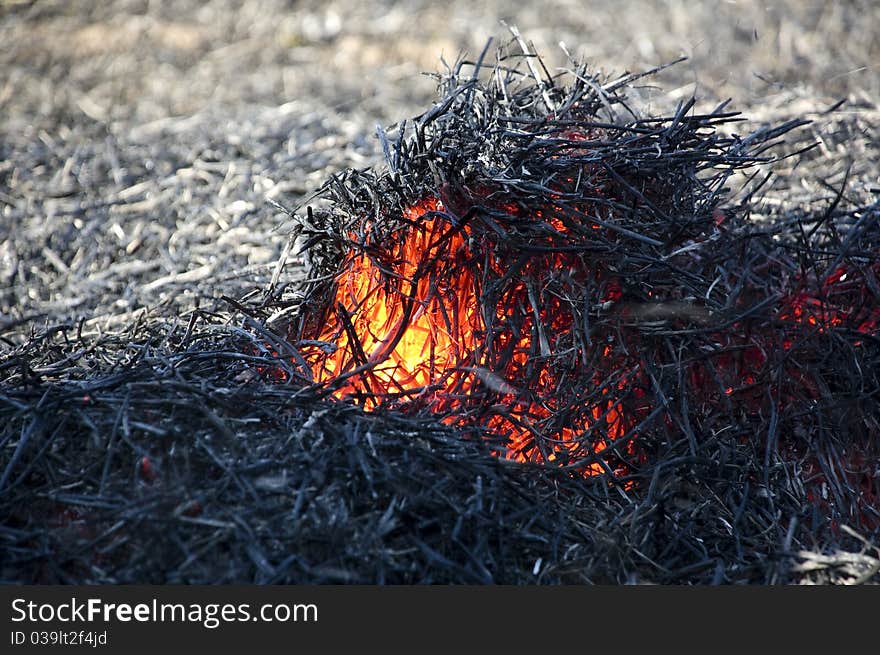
(538, 264)
(543, 344)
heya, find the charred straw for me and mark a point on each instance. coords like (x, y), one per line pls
(690, 390)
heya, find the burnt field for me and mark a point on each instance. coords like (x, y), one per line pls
(651, 314)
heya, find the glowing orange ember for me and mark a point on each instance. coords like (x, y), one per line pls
(411, 336)
(410, 324)
(432, 313)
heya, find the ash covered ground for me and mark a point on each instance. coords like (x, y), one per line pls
(140, 146)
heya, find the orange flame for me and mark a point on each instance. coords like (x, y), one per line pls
(411, 322)
(411, 333)
(411, 325)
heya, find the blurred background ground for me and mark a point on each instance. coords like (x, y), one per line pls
(141, 142)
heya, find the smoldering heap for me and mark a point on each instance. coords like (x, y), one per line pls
(540, 266)
(543, 343)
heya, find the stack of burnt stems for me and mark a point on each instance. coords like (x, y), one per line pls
(540, 266)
